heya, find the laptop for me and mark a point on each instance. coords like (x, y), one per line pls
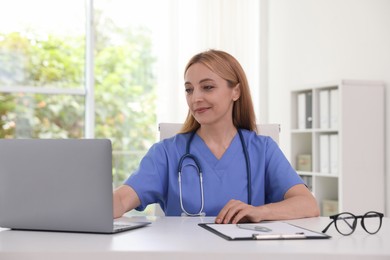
(58, 185)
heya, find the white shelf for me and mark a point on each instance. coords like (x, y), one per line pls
(354, 135)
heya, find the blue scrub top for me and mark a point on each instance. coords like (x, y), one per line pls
(156, 179)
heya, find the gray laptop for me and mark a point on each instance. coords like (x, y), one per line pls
(58, 185)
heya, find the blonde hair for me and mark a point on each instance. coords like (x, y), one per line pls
(228, 68)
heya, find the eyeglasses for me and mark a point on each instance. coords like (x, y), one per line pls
(346, 222)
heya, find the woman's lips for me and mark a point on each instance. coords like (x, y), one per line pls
(201, 109)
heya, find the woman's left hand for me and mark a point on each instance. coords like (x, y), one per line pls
(236, 211)
(298, 202)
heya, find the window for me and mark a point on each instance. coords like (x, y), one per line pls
(62, 76)
(41, 69)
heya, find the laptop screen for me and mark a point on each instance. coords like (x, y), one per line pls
(56, 184)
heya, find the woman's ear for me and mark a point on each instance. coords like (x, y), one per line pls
(236, 92)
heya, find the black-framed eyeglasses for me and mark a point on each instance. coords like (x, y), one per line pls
(346, 222)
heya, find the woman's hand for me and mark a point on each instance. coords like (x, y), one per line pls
(298, 202)
(236, 211)
(124, 199)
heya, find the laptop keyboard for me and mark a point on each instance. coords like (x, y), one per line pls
(120, 227)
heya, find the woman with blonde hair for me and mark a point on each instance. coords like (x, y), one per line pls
(217, 165)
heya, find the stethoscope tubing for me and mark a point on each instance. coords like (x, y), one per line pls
(188, 155)
(248, 166)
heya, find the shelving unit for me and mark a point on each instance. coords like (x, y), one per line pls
(342, 143)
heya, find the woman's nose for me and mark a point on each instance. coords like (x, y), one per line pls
(197, 95)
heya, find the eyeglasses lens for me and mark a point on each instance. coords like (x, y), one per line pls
(372, 222)
(346, 223)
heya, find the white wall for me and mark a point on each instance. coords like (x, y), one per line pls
(315, 41)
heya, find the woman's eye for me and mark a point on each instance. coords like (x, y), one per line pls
(208, 87)
(189, 90)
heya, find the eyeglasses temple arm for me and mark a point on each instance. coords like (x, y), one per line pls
(327, 227)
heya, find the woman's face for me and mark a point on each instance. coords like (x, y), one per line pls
(209, 97)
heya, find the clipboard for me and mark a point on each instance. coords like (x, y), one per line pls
(275, 230)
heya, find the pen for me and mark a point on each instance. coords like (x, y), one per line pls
(254, 227)
(278, 236)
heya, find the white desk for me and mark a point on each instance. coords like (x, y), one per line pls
(181, 238)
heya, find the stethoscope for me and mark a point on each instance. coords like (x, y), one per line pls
(190, 156)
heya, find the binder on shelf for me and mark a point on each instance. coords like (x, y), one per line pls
(309, 110)
(333, 108)
(324, 153)
(305, 114)
(301, 99)
(324, 100)
(333, 150)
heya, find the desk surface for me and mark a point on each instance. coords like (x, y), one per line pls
(181, 238)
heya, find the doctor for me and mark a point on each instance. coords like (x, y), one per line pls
(217, 165)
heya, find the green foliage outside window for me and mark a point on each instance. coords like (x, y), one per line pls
(124, 91)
